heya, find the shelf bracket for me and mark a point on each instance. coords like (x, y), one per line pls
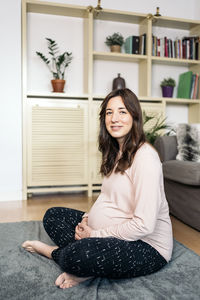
(151, 17)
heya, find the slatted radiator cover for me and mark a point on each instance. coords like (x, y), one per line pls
(57, 145)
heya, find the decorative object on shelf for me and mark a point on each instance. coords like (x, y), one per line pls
(157, 14)
(58, 85)
(118, 83)
(167, 86)
(98, 8)
(158, 129)
(115, 41)
(58, 65)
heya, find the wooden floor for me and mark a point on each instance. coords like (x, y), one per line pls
(34, 209)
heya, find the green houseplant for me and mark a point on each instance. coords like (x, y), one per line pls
(167, 85)
(115, 41)
(155, 126)
(57, 64)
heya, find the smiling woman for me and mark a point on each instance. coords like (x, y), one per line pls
(127, 232)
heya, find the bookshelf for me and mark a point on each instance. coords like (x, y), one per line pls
(45, 130)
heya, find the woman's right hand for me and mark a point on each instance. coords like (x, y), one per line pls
(79, 227)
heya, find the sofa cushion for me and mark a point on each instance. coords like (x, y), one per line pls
(166, 147)
(185, 172)
(188, 139)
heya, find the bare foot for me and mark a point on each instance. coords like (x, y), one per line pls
(39, 247)
(65, 280)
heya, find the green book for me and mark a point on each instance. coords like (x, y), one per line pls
(184, 85)
(128, 45)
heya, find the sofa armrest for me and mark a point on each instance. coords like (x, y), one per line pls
(166, 147)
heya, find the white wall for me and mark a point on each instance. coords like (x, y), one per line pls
(10, 75)
(10, 101)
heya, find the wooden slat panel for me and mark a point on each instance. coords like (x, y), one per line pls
(57, 146)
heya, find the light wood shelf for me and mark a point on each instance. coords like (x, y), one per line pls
(88, 99)
(56, 95)
(118, 56)
(182, 101)
(174, 61)
(158, 99)
(171, 100)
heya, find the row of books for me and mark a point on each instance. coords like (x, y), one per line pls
(186, 48)
(135, 44)
(189, 86)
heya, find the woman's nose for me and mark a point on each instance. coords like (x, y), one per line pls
(115, 117)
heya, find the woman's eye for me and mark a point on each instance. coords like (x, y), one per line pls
(122, 112)
(108, 113)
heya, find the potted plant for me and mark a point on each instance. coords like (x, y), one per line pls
(56, 64)
(115, 41)
(167, 85)
(155, 126)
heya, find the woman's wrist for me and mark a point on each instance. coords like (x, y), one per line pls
(85, 216)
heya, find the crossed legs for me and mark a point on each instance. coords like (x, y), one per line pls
(92, 257)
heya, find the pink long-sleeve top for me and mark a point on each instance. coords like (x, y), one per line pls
(132, 206)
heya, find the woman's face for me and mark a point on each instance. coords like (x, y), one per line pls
(118, 120)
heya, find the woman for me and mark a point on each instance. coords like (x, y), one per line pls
(127, 232)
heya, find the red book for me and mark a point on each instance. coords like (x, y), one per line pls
(183, 49)
(180, 49)
(166, 47)
(158, 47)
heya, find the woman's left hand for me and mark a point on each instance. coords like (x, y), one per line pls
(82, 231)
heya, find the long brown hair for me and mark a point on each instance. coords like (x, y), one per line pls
(109, 146)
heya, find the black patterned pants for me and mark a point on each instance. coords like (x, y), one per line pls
(97, 257)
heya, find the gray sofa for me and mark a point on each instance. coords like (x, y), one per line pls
(181, 181)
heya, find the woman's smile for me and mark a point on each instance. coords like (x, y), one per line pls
(115, 127)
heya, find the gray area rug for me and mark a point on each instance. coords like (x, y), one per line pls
(30, 276)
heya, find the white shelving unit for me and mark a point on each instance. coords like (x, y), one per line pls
(60, 130)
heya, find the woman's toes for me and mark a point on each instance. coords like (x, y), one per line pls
(59, 280)
(25, 244)
(67, 284)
